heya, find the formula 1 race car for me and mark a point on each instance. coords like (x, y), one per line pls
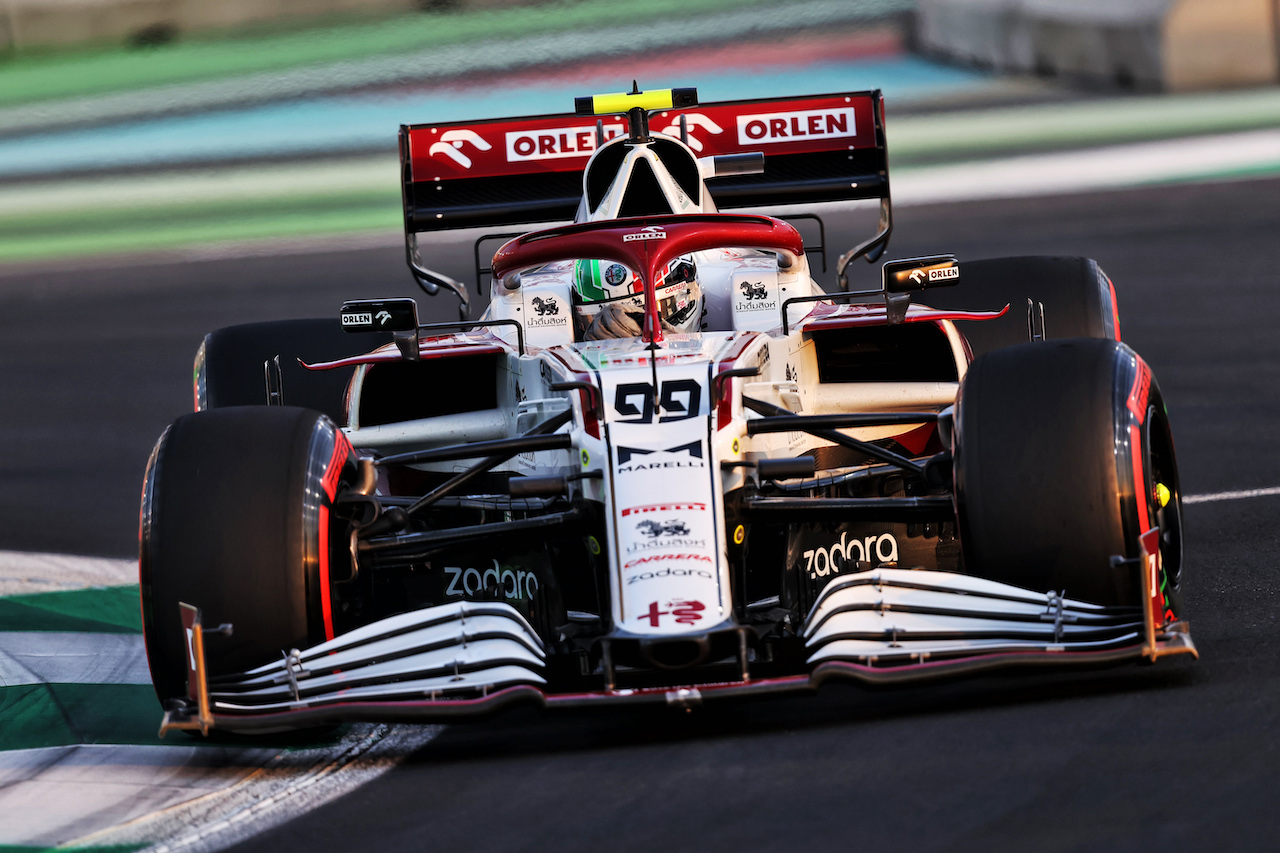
(665, 465)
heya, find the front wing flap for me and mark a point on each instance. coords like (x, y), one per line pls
(885, 626)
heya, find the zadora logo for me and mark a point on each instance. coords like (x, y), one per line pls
(513, 584)
(669, 573)
(821, 562)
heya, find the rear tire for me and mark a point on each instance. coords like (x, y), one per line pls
(1078, 299)
(1059, 447)
(234, 521)
(229, 372)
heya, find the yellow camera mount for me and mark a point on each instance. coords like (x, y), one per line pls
(636, 105)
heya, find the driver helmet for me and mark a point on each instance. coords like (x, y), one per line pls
(599, 283)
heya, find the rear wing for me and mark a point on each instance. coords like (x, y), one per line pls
(505, 172)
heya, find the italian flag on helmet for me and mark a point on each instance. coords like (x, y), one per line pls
(599, 281)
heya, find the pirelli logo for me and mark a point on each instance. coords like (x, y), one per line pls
(672, 507)
(798, 126)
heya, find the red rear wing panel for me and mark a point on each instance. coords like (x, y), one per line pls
(506, 172)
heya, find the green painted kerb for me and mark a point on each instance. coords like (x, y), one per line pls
(113, 848)
(42, 715)
(107, 610)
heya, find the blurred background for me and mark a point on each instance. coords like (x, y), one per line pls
(132, 126)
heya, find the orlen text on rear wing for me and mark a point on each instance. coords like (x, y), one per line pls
(504, 172)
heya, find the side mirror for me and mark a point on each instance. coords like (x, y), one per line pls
(911, 274)
(398, 316)
(904, 277)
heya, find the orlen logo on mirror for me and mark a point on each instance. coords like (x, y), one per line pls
(556, 142)
(796, 126)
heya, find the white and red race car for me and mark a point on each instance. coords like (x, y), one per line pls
(785, 487)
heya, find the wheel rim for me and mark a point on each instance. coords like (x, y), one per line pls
(1161, 468)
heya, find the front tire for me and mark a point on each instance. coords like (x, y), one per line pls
(234, 520)
(1059, 449)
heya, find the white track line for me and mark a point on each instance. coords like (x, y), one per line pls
(1231, 496)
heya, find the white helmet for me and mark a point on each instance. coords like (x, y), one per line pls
(597, 284)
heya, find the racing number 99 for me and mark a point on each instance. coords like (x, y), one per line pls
(680, 397)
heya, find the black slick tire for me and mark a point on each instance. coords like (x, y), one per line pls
(1059, 447)
(234, 521)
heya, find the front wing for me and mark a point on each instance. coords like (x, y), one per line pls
(885, 626)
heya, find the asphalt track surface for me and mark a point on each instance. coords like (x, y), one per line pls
(1181, 755)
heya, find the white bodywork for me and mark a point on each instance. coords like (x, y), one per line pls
(664, 488)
